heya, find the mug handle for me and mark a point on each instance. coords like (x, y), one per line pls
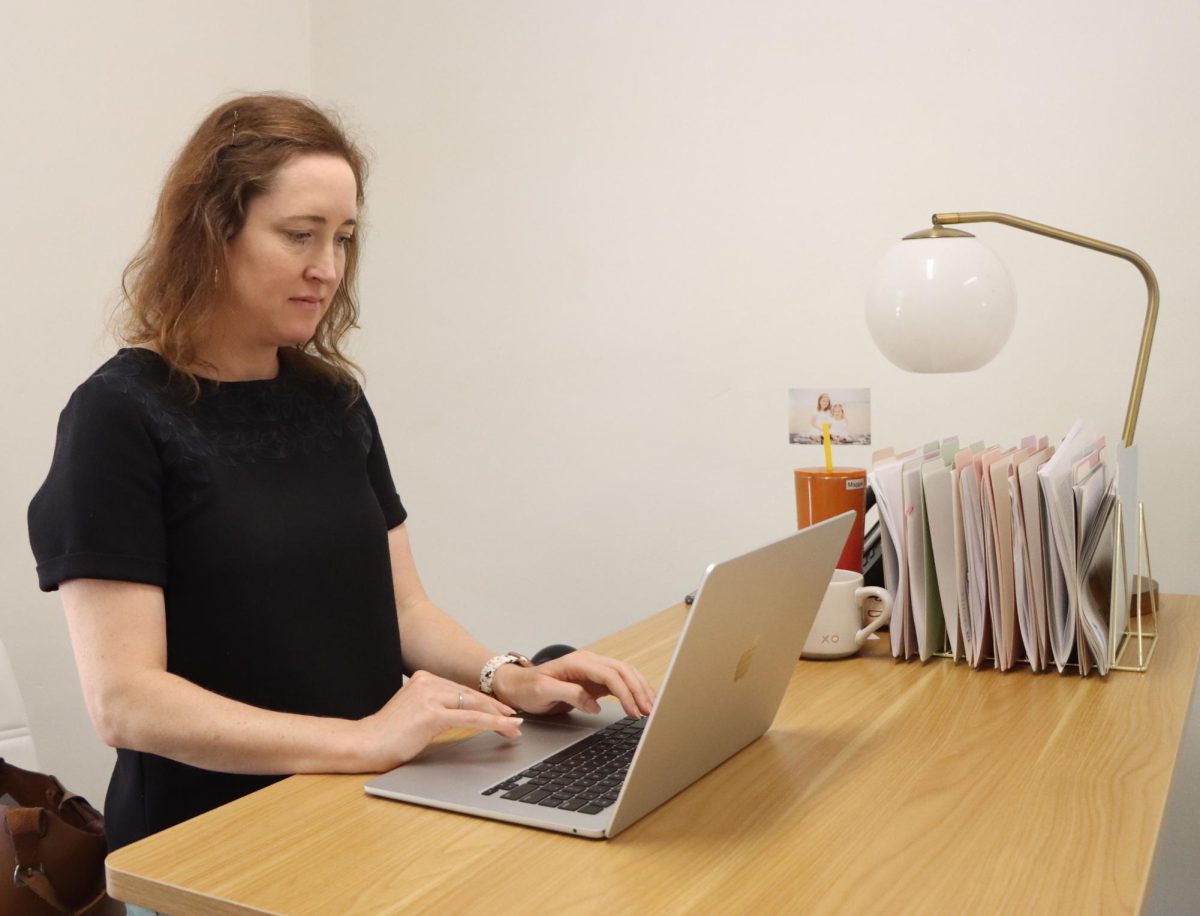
(872, 591)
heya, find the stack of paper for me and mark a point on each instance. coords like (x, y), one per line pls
(1001, 555)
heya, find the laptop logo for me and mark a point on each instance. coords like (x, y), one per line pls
(745, 661)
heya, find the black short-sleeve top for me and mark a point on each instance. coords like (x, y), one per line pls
(261, 509)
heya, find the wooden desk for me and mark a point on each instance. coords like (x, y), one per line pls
(883, 787)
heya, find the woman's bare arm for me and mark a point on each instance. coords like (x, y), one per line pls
(118, 632)
(431, 639)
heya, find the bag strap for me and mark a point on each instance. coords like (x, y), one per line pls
(28, 785)
(88, 818)
(27, 826)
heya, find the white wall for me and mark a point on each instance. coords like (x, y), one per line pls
(97, 98)
(605, 238)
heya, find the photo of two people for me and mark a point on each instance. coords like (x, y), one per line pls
(846, 410)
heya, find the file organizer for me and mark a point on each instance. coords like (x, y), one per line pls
(1134, 647)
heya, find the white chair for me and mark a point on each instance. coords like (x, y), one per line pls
(16, 741)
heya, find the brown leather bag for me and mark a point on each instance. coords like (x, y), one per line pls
(53, 846)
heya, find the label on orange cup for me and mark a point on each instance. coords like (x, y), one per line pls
(856, 484)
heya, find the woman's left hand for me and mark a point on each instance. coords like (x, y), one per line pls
(574, 681)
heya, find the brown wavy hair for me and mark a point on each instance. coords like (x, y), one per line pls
(174, 282)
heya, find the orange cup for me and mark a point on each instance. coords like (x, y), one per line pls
(822, 494)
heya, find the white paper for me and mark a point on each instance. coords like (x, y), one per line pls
(1055, 477)
(1031, 508)
(939, 514)
(1009, 642)
(1022, 587)
(885, 482)
(1094, 499)
(914, 546)
(965, 638)
(973, 530)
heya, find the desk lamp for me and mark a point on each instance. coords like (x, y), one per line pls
(942, 302)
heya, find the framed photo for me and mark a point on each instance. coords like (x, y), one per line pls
(846, 410)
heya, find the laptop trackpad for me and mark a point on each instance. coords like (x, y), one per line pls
(483, 760)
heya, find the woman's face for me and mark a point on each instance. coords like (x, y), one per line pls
(289, 258)
(823, 402)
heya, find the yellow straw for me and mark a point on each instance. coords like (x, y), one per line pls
(828, 450)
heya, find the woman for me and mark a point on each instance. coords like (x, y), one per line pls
(220, 518)
(821, 416)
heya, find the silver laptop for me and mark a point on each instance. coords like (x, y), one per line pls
(731, 667)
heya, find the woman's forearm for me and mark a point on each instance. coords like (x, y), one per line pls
(161, 713)
(433, 641)
(118, 632)
(430, 639)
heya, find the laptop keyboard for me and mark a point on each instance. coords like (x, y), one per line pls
(585, 776)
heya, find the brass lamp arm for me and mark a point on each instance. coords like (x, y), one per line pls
(1139, 376)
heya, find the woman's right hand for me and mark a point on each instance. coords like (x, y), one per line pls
(424, 708)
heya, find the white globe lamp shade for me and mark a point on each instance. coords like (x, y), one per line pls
(941, 302)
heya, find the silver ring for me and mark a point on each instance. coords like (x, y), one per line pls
(460, 701)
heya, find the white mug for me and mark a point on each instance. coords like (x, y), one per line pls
(838, 630)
